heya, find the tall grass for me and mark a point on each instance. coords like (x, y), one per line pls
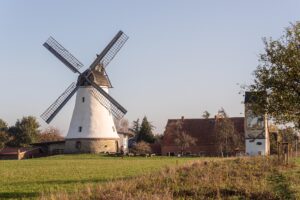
(243, 178)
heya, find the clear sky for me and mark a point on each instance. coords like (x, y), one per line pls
(182, 57)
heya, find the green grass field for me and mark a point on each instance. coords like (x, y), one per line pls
(29, 178)
(79, 176)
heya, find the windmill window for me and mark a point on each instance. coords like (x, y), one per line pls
(83, 99)
(80, 128)
(258, 143)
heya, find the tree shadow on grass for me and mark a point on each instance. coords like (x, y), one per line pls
(18, 195)
(63, 182)
(281, 186)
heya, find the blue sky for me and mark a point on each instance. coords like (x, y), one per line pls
(182, 57)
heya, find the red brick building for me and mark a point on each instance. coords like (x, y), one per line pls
(201, 129)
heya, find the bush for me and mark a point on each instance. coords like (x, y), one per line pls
(141, 148)
(50, 134)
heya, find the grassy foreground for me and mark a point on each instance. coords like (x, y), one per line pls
(241, 178)
(29, 178)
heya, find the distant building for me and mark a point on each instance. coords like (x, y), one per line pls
(257, 137)
(51, 148)
(123, 142)
(59, 147)
(19, 153)
(201, 129)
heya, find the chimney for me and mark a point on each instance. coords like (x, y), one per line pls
(182, 118)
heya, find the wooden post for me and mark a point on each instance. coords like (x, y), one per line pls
(19, 154)
(287, 155)
(278, 152)
(297, 147)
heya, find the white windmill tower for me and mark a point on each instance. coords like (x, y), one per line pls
(92, 128)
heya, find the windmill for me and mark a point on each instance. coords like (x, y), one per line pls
(92, 128)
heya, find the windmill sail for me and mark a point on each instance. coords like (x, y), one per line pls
(52, 111)
(107, 101)
(63, 54)
(117, 112)
(110, 50)
(84, 78)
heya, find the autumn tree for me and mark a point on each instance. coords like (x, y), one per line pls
(182, 139)
(50, 134)
(141, 148)
(227, 139)
(277, 78)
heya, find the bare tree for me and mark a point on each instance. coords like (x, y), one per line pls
(227, 139)
(141, 148)
(50, 134)
(122, 125)
(182, 139)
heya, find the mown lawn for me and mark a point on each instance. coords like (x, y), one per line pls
(29, 178)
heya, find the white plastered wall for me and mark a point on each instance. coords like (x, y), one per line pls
(124, 141)
(93, 118)
(256, 147)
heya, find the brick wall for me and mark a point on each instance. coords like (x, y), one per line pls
(85, 145)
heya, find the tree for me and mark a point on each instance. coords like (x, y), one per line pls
(4, 137)
(145, 133)
(182, 139)
(227, 139)
(122, 125)
(277, 78)
(50, 134)
(3, 125)
(158, 138)
(273, 143)
(206, 114)
(289, 135)
(141, 148)
(273, 134)
(24, 132)
(136, 127)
